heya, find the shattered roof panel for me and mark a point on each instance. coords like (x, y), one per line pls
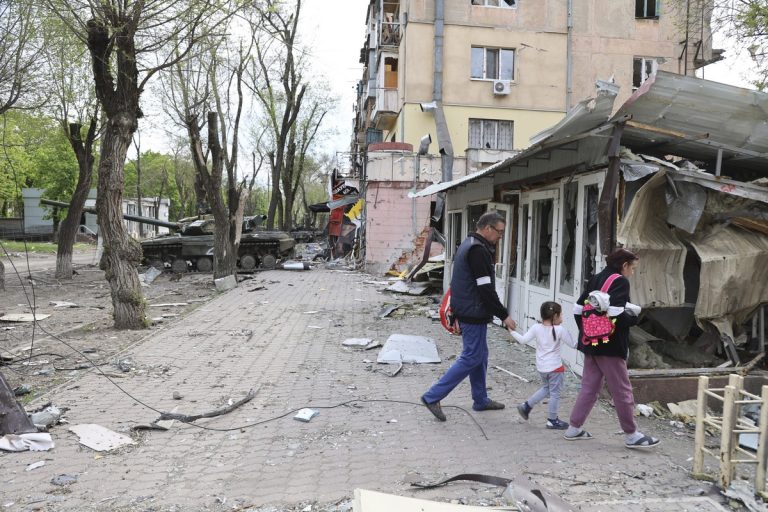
(693, 118)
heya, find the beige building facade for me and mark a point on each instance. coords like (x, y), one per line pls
(493, 73)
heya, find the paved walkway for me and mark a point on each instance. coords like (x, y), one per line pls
(285, 342)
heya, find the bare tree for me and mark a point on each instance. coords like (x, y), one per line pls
(278, 84)
(129, 42)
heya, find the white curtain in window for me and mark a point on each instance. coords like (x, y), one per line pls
(475, 131)
(505, 135)
(489, 135)
(506, 65)
(478, 54)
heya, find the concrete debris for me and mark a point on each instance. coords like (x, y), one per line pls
(645, 410)
(46, 418)
(150, 275)
(170, 305)
(34, 442)
(387, 310)
(35, 465)
(23, 317)
(305, 415)
(62, 304)
(225, 283)
(357, 342)
(409, 288)
(684, 411)
(404, 348)
(742, 492)
(22, 390)
(100, 438)
(62, 480)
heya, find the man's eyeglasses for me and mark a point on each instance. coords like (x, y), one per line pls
(498, 231)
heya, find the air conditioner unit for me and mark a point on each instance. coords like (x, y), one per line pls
(500, 87)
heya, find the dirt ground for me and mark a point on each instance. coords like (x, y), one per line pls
(78, 334)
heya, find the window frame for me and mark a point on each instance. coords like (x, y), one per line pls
(496, 124)
(487, 3)
(497, 63)
(643, 77)
(642, 8)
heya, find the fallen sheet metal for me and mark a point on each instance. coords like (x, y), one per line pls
(409, 288)
(405, 348)
(99, 438)
(372, 501)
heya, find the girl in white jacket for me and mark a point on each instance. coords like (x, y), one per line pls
(549, 335)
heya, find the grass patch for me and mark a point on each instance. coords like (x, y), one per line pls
(37, 247)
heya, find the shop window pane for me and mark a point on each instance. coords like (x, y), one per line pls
(589, 244)
(541, 242)
(568, 261)
(456, 219)
(475, 211)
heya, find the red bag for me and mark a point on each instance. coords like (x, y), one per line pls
(596, 326)
(447, 318)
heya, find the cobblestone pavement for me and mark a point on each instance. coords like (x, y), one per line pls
(285, 343)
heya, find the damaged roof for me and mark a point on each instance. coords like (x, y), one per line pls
(669, 114)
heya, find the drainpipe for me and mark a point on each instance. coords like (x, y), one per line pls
(443, 135)
(569, 57)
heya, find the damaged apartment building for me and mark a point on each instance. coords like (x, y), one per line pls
(451, 87)
(677, 173)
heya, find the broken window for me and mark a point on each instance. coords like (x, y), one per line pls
(642, 68)
(589, 237)
(474, 212)
(647, 9)
(541, 242)
(495, 3)
(390, 73)
(568, 262)
(492, 63)
(490, 134)
(455, 219)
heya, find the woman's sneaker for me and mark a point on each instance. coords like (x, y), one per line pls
(557, 424)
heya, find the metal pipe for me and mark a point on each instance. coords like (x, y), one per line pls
(569, 57)
(443, 135)
(719, 163)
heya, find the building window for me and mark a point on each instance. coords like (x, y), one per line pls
(493, 63)
(490, 134)
(642, 68)
(647, 9)
(495, 3)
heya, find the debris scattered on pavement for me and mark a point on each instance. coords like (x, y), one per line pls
(62, 480)
(409, 288)
(225, 283)
(405, 348)
(22, 390)
(742, 492)
(150, 275)
(387, 310)
(35, 465)
(46, 418)
(23, 317)
(306, 414)
(169, 305)
(356, 342)
(99, 438)
(189, 418)
(34, 442)
(645, 410)
(684, 411)
(512, 374)
(62, 304)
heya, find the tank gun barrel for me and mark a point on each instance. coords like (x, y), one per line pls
(126, 216)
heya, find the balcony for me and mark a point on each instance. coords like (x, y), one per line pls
(386, 109)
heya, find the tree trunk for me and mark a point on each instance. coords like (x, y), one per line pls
(224, 249)
(69, 226)
(13, 417)
(122, 254)
(2, 276)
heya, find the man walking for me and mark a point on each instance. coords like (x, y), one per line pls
(475, 303)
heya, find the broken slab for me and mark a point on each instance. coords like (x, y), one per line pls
(408, 288)
(372, 501)
(23, 317)
(100, 438)
(226, 283)
(34, 442)
(357, 342)
(405, 348)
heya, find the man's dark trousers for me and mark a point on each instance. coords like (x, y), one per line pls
(472, 362)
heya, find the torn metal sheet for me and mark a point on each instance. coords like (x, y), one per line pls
(387, 310)
(357, 342)
(34, 442)
(408, 349)
(409, 287)
(100, 438)
(685, 207)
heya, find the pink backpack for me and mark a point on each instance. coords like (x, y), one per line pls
(596, 325)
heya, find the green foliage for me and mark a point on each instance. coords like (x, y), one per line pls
(165, 176)
(750, 28)
(35, 154)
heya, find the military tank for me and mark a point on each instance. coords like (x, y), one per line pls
(190, 245)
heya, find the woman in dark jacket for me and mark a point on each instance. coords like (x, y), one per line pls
(607, 362)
